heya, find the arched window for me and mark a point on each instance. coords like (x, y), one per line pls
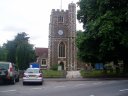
(61, 49)
(60, 19)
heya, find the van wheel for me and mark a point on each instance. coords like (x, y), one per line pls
(17, 80)
(13, 81)
(41, 83)
(24, 83)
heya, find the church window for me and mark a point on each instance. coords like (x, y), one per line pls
(61, 49)
(60, 19)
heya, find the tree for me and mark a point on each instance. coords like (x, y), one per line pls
(105, 37)
(11, 50)
(3, 54)
(24, 51)
(24, 55)
(87, 49)
(20, 51)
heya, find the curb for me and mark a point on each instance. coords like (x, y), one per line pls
(82, 79)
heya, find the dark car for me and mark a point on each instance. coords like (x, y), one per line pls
(9, 72)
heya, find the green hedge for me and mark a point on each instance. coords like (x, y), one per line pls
(99, 73)
(94, 73)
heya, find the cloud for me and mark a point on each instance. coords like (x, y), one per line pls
(29, 16)
(13, 29)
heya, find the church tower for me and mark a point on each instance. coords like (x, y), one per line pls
(62, 34)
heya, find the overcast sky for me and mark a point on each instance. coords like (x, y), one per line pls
(29, 16)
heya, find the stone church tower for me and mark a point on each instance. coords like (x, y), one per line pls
(62, 34)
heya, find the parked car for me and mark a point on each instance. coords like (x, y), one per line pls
(33, 75)
(9, 72)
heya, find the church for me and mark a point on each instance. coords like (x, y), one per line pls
(62, 34)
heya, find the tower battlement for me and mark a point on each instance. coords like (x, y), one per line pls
(58, 11)
(71, 7)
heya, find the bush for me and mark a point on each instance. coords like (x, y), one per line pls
(100, 73)
(54, 67)
(93, 73)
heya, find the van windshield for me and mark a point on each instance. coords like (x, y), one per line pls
(4, 66)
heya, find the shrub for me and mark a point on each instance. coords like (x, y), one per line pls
(54, 67)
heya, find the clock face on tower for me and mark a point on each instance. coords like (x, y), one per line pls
(60, 32)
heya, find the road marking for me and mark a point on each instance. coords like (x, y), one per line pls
(79, 85)
(124, 90)
(92, 95)
(8, 91)
(36, 88)
(59, 86)
(97, 83)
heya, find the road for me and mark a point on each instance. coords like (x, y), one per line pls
(68, 88)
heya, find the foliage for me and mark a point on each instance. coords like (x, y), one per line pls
(94, 73)
(19, 51)
(24, 51)
(23, 54)
(105, 36)
(86, 49)
(3, 54)
(11, 48)
(100, 74)
(54, 67)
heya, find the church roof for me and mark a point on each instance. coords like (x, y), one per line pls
(41, 52)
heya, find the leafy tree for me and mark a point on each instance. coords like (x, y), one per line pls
(3, 54)
(24, 52)
(21, 38)
(87, 48)
(24, 55)
(20, 51)
(11, 48)
(105, 37)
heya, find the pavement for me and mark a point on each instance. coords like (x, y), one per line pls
(73, 75)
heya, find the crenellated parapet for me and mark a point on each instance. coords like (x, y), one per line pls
(59, 11)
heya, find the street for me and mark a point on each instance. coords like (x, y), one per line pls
(68, 88)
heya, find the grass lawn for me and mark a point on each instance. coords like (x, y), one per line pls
(53, 74)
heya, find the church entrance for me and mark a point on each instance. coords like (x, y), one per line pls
(62, 65)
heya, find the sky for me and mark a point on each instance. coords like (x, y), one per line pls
(29, 16)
